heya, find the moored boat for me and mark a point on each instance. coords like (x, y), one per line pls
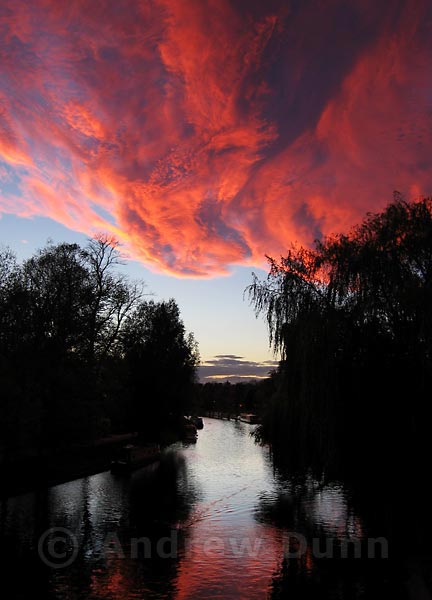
(190, 433)
(132, 457)
(197, 421)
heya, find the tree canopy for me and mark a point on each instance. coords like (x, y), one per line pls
(352, 321)
(83, 352)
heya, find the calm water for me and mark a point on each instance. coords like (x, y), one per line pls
(211, 521)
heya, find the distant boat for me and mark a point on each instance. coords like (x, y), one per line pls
(249, 418)
(132, 457)
(198, 422)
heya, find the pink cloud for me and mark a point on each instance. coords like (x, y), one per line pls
(207, 134)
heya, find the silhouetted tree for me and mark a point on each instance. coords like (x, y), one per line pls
(112, 296)
(351, 320)
(72, 334)
(58, 291)
(162, 362)
(58, 296)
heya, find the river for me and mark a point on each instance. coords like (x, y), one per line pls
(213, 520)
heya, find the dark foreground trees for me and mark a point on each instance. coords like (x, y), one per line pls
(69, 327)
(352, 320)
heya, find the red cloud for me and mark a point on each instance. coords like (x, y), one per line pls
(206, 134)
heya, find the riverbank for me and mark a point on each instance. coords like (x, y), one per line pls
(24, 474)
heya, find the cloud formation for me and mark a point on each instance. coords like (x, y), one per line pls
(232, 368)
(208, 133)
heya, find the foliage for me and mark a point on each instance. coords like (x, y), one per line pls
(69, 326)
(352, 321)
(161, 360)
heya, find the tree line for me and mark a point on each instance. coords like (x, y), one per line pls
(351, 320)
(84, 352)
(229, 400)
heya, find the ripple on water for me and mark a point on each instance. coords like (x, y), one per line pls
(217, 501)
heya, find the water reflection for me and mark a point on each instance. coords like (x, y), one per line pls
(219, 514)
(327, 550)
(311, 508)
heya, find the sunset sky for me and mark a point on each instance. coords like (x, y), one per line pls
(204, 134)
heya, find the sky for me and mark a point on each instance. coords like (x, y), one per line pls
(205, 134)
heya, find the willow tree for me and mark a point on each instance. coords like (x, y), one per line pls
(351, 322)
